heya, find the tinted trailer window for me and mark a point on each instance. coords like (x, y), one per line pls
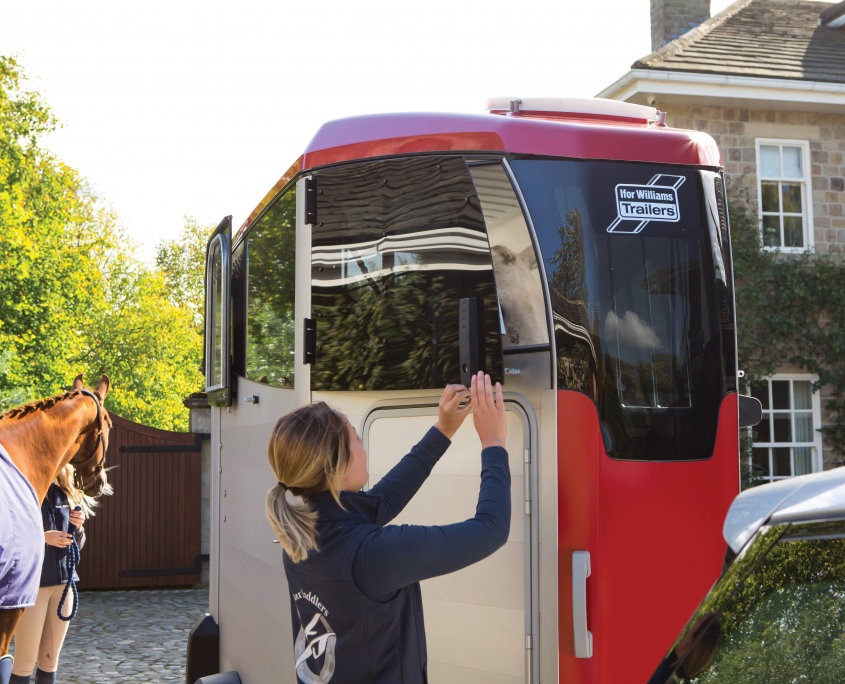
(640, 294)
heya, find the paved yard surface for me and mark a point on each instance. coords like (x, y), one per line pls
(130, 637)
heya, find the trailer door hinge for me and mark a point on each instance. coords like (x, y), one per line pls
(310, 201)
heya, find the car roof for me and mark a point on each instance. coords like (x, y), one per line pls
(817, 496)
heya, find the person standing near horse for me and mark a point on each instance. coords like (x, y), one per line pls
(41, 632)
(36, 441)
(356, 605)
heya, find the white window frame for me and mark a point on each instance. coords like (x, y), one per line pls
(816, 464)
(806, 193)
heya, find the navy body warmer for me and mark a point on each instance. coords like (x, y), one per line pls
(356, 605)
(55, 513)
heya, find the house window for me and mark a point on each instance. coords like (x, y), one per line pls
(787, 441)
(784, 194)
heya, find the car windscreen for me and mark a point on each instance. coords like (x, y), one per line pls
(776, 615)
(637, 265)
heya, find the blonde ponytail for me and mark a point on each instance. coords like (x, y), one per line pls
(309, 453)
(294, 522)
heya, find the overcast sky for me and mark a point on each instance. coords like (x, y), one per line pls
(197, 108)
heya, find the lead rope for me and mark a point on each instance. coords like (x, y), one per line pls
(71, 559)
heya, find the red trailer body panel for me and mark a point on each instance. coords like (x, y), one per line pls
(636, 518)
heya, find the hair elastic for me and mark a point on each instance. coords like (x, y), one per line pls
(282, 485)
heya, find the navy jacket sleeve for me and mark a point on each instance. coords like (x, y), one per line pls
(398, 486)
(399, 555)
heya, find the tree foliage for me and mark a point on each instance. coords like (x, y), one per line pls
(51, 250)
(72, 297)
(182, 264)
(148, 344)
(781, 607)
(790, 308)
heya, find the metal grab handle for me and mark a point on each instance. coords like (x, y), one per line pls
(580, 573)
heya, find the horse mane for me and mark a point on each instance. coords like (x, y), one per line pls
(38, 405)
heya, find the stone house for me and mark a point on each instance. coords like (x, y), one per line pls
(766, 79)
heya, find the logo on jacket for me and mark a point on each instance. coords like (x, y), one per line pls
(314, 651)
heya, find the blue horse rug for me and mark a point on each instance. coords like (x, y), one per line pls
(21, 537)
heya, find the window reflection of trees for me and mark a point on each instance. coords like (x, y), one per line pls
(398, 333)
(397, 245)
(214, 376)
(577, 366)
(577, 338)
(782, 608)
(271, 251)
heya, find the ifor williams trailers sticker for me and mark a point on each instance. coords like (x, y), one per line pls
(638, 205)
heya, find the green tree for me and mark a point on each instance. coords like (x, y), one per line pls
(72, 299)
(148, 344)
(182, 264)
(51, 246)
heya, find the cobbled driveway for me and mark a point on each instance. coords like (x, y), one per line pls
(130, 637)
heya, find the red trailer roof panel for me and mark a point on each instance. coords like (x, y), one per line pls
(387, 134)
(534, 133)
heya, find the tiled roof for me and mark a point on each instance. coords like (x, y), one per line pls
(759, 38)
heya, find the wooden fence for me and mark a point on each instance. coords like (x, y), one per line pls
(148, 533)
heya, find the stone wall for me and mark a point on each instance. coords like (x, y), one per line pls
(735, 131)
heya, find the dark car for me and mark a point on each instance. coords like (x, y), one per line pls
(777, 613)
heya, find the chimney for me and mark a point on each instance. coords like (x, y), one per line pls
(833, 16)
(671, 19)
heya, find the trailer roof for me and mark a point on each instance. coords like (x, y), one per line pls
(573, 132)
(536, 133)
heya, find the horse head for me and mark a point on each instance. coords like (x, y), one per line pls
(88, 453)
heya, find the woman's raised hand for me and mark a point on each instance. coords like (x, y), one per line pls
(488, 411)
(450, 414)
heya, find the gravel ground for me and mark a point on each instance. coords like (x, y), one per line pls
(130, 637)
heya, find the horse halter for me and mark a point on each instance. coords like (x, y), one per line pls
(99, 444)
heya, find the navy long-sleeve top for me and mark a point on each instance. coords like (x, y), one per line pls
(356, 605)
(398, 555)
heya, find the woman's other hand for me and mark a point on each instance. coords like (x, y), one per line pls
(58, 538)
(450, 414)
(488, 411)
(76, 518)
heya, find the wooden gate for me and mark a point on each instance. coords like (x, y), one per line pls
(148, 533)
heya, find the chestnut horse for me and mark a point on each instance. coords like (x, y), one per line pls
(40, 438)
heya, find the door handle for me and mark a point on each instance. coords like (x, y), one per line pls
(470, 338)
(580, 573)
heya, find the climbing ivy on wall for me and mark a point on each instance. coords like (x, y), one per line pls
(790, 309)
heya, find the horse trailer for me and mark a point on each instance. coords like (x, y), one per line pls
(578, 251)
